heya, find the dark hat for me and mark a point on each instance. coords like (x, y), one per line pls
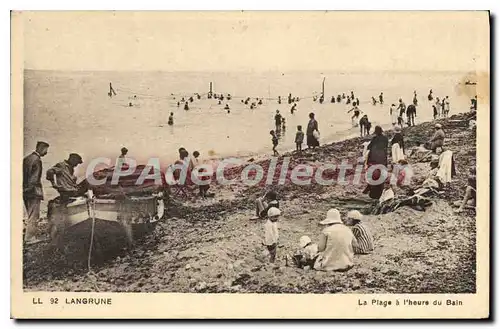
(42, 144)
(124, 150)
(271, 195)
(75, 157)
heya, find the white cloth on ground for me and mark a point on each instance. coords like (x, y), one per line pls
(397, 153)
(445, 167)
(387, 194)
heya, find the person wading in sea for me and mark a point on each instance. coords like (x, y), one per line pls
(277, 120)
(111, 90)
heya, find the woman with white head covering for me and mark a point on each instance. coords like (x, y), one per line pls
(335, 244)
(363, 236)
(397, 145)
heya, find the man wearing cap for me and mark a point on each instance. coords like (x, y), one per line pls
(437, 140)
(32, 188)
(335, 244)
(63, 179)
(363, 237)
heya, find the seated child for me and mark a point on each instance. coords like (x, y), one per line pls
(307, 254)
(470, 192)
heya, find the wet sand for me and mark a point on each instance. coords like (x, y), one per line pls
(212, 245)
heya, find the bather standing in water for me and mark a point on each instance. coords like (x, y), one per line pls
(393, 113)
(401, 107)
(277, 120)
(171, 119)
(355, 116)
(111, 90)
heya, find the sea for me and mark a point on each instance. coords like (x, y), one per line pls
(73, 112)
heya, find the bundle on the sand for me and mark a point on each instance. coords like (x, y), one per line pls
(417, 201)
(420, 154)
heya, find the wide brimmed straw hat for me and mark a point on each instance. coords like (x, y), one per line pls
(354, 214)
(273, 212)
(332, 217)
(304, 241)
(397, 128)
(438, 125)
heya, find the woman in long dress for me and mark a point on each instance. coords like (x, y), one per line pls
(377, 155)
(312, 127)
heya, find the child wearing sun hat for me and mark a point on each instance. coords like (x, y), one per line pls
(271, 232)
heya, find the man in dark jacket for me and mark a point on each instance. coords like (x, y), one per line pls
(411, 113)
(32, 189)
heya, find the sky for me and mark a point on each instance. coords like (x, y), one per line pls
(255, 41)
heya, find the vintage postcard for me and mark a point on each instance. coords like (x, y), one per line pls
(242, 164)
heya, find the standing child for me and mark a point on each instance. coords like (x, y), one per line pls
(195, 161)
(393, 113)
(435, 111)
(368, 127)
(299, 139)
(271, 232)
(447, 106)
(275, 142)
(205, 183)
(400, 121)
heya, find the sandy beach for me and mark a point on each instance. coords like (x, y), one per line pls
(212, 245)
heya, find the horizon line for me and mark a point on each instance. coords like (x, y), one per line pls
(250, 71)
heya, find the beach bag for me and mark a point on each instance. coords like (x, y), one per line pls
(316, 135)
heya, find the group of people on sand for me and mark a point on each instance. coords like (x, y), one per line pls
(342, 238)
(338, 242)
